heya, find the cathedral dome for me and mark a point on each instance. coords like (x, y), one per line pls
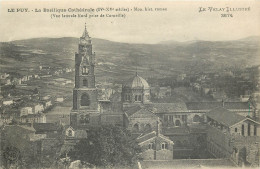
(137, 82)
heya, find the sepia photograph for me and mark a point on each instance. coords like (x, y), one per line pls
(129, 84)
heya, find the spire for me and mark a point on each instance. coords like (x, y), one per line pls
(85, 33)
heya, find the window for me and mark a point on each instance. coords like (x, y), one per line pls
(235, 129)
(255, 130)
(85, 70)
(70, 133)
(178, 123)
(243, 132)
(147, 128)
(85, 82)
(151, 146)
(139, 98)
(84, 119)
(164, 146)
(170, 118)
(184, 118)
(85, 100)
(196, 118)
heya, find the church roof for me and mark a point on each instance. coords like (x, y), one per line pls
(137, 82)
(212, 105)
(225, 116)
(167, 107)
(136, 109)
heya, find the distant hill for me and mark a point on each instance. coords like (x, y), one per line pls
(120, 60)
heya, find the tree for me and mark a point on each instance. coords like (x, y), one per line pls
(107, 146)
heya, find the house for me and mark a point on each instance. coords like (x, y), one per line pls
(37, 108)
(17, 81)
(4, 75)
(33, 118)
(59, 99)
(7, 102)
(140, 120)
(231, 135)
(50, 129)
(70, 132)
(25, 111)
(155, 146)
(46, 104)
(47, 97)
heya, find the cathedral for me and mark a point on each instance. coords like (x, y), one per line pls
(87, 110)
(85, 103)
(164, 130)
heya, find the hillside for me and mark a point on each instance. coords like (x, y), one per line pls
(118, 60)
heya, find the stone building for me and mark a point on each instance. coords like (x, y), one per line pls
(135, 91)
(87, 111)
(231, 135)
(140, 120)
(155, 146)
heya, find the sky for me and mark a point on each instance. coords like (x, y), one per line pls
(181, 22)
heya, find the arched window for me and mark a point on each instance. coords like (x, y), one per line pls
(85, 82)
(147, 128)
(177, 123)
(85, 70)
(164, 146)
(85, 100)
(70, 133)
(151, 146)
(196, 118)
(136, 128)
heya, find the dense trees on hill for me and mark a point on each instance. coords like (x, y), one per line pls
(107, 146)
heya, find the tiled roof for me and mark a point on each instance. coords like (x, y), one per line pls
(225, 116)
(167, 107)
(42, 127)
(236, 105)
(212, 105)
(202, 105)
(133, 110)
(145, 137)
(187, 163)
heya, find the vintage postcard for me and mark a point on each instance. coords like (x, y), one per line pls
(129, 84)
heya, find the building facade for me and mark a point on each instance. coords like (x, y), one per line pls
(230, 135)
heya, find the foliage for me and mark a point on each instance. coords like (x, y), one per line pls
(107, 146)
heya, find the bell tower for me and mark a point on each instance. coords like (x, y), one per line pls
(85, 104)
